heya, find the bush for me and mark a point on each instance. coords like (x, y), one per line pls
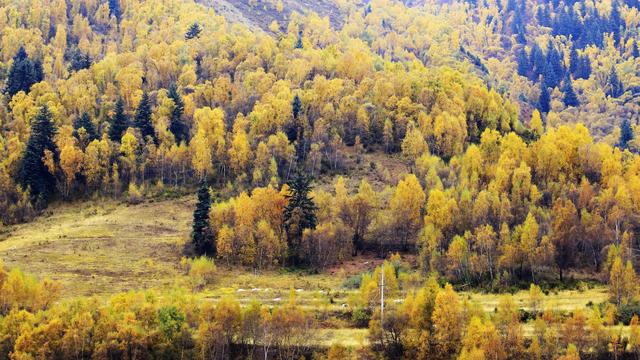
(202, 272)
(360, 317)
(134, 195)
(626, 312)
(352, 282)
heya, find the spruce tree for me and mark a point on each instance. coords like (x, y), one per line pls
(523, 62)
(537, 61)
(574, 61)
(34, 174)
(22, 74)
(193, 32)
(293, 129)
(84, 122)
(299, 43)
(626, 134)
(143, 118)
(570, 98)
(544, 103)
(299, 214)
(615, 87)
(114, 9)
(119, 122)
(177, 126)
(201, 234)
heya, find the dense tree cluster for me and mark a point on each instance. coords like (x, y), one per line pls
(140, 325)
(150, 107)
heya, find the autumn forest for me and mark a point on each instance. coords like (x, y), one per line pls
(331, 179)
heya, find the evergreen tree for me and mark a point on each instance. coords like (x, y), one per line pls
(78, 60)
(634, 49)
(615, 21)
(523, 62)
(584, 68)
(84, 122)
(299, 43)
(537, 61)
(114, 9)
(193, 32)
(545, 100)
(570, 98)
(574, 61)
(626, 134)
(293, 129)
(554, 65)
(615, 87)
(143, 118)
(549, 79)
(299, 214)
(177, 126)
(119, 122)
(22, 74)
(34, 173)
(201, 234)
(296, 106)
(38, 71)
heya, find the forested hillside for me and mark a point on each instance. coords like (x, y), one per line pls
(489, 145)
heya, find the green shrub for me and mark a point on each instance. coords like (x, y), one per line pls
(360, 317)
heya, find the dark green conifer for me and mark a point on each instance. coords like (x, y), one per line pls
(570, 98)
(544, 103)
(193, 32)
(626, 134)
(177, 126)
(299, 214)
(201, 235)
(143, 118)
(22, 74)
(119, 122)
(34, 174)
(84, 122)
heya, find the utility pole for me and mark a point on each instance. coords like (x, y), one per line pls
(382, 300)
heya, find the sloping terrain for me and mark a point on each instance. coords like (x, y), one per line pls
(93, 249)
(264, 13)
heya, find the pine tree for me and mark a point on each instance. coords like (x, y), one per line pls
(143, 118)
(177, 126)
(626, 134)
(293, 129)
(114, 9)
(299, 214)
(296, 106)
(193, 32)
(584, 68)
(119, 122)
(523, 62)
(615, 21)
(84, 122)
(22, 74)
(537, 61)
(615, 87)
(299, 43)
(574, 61)
(201, 235)
(549, 79)
(570, 98)
(545, 100)
(34, 173)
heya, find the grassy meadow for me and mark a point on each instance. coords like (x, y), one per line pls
(99, 249)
